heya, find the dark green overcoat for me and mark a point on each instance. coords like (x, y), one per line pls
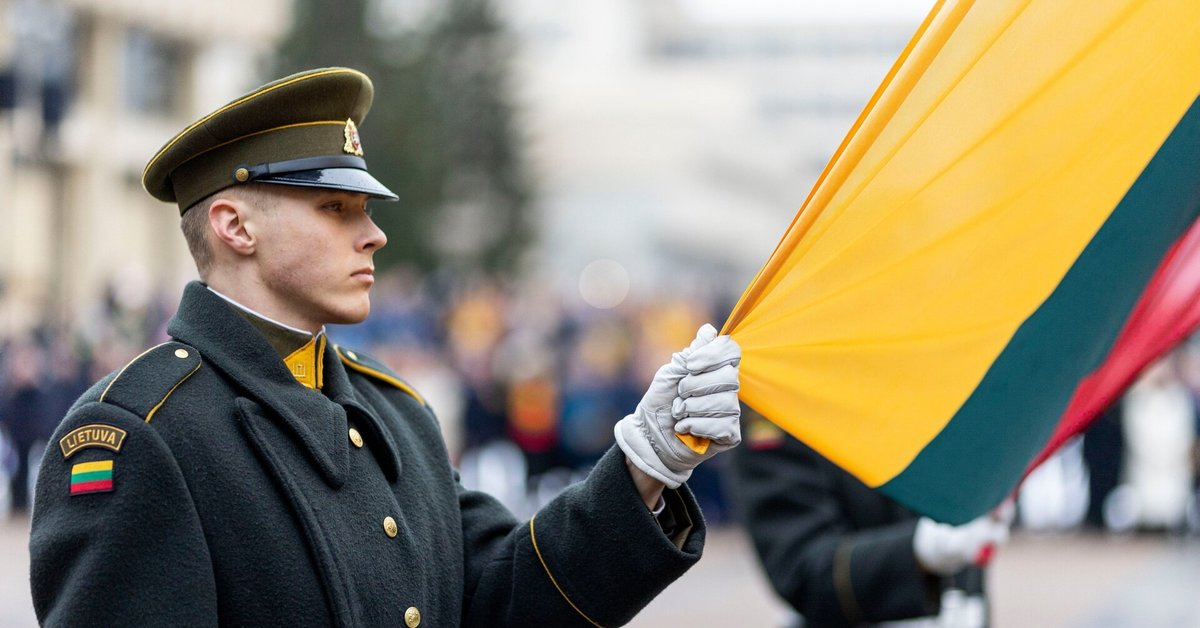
(210, 488)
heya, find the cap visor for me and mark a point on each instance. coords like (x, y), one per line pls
(347, 179)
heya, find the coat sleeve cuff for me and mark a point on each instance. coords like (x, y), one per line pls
(883, 560)
(600, 527)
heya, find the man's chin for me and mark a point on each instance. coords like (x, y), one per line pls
(351, 316)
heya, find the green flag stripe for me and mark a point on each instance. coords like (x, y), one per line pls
(91, 476)
(981, 453)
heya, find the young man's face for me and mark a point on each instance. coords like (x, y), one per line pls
(315, 254)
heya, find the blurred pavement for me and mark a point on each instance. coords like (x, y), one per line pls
(1094, 581)
(1075, 581)
(1049, 581)
(16, 607)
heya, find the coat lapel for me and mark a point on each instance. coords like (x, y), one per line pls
(233, 347)
(343, 393)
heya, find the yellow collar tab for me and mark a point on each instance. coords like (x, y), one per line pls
(305, 363)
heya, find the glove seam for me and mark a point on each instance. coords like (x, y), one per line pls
(542, 560)
(662, 475)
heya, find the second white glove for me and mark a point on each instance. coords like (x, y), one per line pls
(944, 549)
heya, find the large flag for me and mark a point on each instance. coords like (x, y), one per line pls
(1167, 312)
(976, 244)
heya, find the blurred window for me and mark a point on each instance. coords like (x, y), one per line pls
(153, 67)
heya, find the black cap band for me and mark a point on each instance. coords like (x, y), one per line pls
(244, 174)
(337, 172)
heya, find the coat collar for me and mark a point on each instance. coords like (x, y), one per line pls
(318, 421)
(301, 351)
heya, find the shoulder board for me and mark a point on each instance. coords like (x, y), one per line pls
(144, 384)
(371, 367)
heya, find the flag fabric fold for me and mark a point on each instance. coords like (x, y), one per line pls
(975, 246)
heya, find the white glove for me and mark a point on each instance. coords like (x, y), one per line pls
(695, 393)
(944, 549)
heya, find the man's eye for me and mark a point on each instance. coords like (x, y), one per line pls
(333, 207)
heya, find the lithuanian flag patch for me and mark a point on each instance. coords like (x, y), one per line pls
(92, 477)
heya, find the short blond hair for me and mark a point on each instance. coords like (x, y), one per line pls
(194, 222)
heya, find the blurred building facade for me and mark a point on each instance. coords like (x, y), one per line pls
(668, 141)
(680, 144)
(89, 89)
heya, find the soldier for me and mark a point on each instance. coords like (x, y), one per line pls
(842, 554)
(251, 472)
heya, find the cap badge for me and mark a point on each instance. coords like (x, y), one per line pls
(353, 144)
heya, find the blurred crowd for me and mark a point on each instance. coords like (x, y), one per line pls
(43, 371)
(528, 381)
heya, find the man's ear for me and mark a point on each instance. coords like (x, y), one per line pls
(227, 215)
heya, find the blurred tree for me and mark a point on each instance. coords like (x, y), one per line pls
(440, 133)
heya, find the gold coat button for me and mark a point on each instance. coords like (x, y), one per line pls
(181, 353)
(355, 437)
(352, 355)
(389, 527)
(412, 617)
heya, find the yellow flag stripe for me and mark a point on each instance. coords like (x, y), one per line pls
(88, 467)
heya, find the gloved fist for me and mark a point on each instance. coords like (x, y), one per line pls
(944, 549)
(695, 393)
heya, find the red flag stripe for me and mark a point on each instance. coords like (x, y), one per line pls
(91, 487)
(1167, 312)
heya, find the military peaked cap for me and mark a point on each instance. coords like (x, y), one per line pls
(299, 130)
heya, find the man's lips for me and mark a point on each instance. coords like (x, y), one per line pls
(365, 274)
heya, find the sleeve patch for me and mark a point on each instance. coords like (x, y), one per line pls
(762, 434)
(92, 477)
(94, 435)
